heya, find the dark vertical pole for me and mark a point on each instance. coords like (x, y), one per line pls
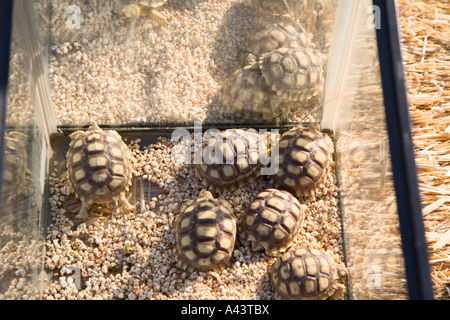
(402, 153)
(5, 43)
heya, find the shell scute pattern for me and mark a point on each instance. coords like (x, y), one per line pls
(283, 69)
(272, 221)
(306, 274)
(303, 161)
(231, 159)
(98, 167)
(276, 34)
(205, 233)
(294, 73)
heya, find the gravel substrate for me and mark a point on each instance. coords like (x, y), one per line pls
(425, 42)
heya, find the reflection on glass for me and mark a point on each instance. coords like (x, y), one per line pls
(117, 62)
(25, 163)
(368, 202)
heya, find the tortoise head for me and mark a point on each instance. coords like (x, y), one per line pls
(206, 194)
(130, 13)
(93, 127)
(341, 272)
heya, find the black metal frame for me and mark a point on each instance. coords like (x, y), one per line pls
(6, 7)
(402, 153)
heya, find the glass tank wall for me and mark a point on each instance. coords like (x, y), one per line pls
(355, 112)
(154, 69)
(29, 121)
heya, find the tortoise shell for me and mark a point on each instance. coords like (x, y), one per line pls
(306, 274)
(205, 233)
(98, 167)
(231, 159)
(277, 34)
(294, 73)
(272, 221)
(303, 161)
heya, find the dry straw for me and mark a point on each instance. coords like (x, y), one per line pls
(425, 27)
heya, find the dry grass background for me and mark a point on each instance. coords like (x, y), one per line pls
(425, 31)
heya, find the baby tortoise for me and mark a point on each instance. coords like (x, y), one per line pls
(278, 6)
(272, 221)
(307, 274)
(205, 233)
(99, 169)
(247, 95)
(150, 8)
(303, 161)
(231, 159)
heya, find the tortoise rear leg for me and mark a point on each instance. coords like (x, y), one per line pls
(124, 201)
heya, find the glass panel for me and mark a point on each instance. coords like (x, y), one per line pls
(356, 114)
(26, 163)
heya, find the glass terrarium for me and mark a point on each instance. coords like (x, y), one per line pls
(166, 76)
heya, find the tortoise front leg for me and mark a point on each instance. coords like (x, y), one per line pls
(83, 214)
